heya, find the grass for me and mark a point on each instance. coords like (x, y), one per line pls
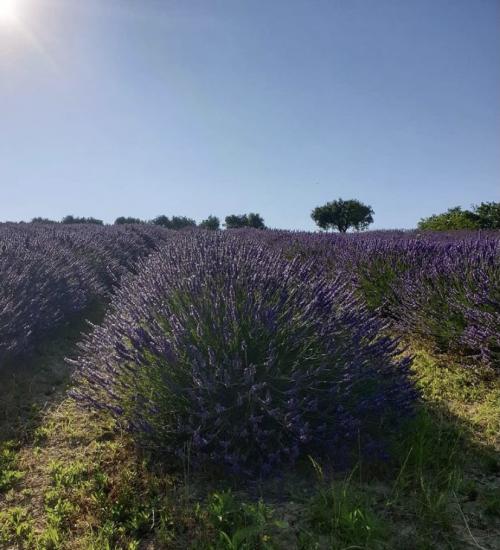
(340, 514)
(9, 474)
(68, 480)
(29, 384)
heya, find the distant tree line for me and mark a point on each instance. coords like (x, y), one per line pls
(68, 219)
(73, 219)
(42, 220)
(340, 215)
(127, 220)
(175, 222)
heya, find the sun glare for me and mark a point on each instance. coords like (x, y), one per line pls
(9, 11)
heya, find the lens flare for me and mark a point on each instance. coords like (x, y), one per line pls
(9, 11)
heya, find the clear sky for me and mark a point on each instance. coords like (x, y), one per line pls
(142, 107)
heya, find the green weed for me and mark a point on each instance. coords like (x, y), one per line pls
(239, 525)
(9, 473)
(340, 516)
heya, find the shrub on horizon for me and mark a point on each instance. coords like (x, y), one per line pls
(221, 349)
(76, 220)
(122, 220)
(452, 219)
(488, 214)
(483, 216)
(176, 222)
(239, 221)
(212, 223)
(43, 220)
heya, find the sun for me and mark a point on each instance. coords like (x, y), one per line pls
(9, 11)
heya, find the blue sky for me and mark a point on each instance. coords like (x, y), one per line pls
(128, 107)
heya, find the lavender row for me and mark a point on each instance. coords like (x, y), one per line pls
(221, 350)
(49, 273)
(442, 288)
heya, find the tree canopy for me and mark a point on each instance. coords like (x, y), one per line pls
(453, 218)
(483, 216)
(488, 214)
(42, 220)
(212, 223)
(73, 219)
(176, 222)
(342, 215)
(127, 219)
(236, 221)
(255, 220)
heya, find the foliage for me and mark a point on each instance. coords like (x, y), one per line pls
(342, 215)
(180, 222)
(488, 214)
(73, 220)
(255, 220)
(127, 220)
(235, 221)
(483, 216)
(42, 220)
(15, 525)
(453, 218)
(224, 350)
(9, 473)
(342, 514)
(239, 525)
(176, 222)
(212, 223)
(162, 220)
(245, 220)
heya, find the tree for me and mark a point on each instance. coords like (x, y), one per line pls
(483, 216)
(181, 222)
(453, 218)
(177, 222)
(488, 214)
(235, 221)
(162, 220)
(255, 220)
(342, 215)
(123, 220)
(42, 220)
(212, 223)
(72, 219)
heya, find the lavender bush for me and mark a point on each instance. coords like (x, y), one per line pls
(221, 348)
(49, 272)
(441, 288)
(39, 287)
(453, 300)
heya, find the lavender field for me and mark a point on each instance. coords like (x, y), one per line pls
(248, 388)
